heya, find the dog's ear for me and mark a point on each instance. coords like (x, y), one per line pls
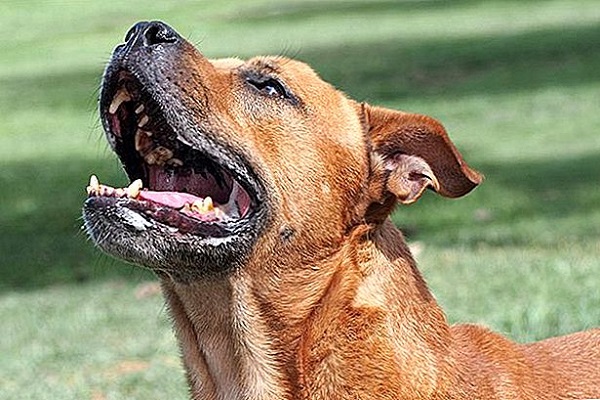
(416, 153)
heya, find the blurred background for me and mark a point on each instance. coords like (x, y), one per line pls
(516, 83)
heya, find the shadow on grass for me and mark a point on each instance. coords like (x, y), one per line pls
(302, 10)
(41, 240)
(393, 70)
(74, 90)
(556, 188)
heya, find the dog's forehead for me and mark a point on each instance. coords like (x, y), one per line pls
(289, 69)
(226, 64)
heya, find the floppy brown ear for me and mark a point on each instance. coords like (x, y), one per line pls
(418, 154)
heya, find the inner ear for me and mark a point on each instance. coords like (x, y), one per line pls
(408, 177)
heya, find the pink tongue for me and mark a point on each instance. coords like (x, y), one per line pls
(170, 199)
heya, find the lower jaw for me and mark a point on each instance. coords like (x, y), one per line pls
(150, 215)
(183, 258)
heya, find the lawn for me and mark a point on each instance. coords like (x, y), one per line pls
(516, 83)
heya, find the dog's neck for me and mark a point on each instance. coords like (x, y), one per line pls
(241, 342)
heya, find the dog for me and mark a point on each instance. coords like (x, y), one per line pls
(260, 197)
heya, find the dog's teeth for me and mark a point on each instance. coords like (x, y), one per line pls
(196, 206)
(175, 162)
(203, 206)
(162, 154)
(94, 185)
(143, 121)
(134, 189)
(94, 182)
(158, 156)
(142, 142)
(150, 158)
(139, 109)
(122, 96)
(207, 204)
(120, 192)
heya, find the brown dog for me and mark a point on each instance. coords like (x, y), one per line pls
(267, 223)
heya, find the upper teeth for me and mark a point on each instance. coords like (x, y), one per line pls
(142, 142)
(152, 153)
(121, 96)
(175, 162)
(159, 155)
(143, 121)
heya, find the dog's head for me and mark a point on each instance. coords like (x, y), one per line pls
(238, 155)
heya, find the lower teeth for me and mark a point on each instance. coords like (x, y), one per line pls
(204, 206)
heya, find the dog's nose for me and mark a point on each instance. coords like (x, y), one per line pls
(147, 34)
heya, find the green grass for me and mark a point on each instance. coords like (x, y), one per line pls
(517, 84)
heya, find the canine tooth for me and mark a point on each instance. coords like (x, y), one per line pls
(94, 185)
(139, 109)
(143, 121)
(207, 204)
(134, 189)
(122, 95)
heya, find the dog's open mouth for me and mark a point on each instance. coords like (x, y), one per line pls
(189, 190)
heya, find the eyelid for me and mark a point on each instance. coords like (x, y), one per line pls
(260, 82)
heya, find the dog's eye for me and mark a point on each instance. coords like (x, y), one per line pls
(270, 86)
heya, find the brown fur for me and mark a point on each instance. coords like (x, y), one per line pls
(329, 303)
(345, 313)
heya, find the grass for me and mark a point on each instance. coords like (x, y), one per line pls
(517, 84)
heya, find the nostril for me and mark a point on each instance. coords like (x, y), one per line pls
(134, 30)
(147, 34)
(157, 32)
